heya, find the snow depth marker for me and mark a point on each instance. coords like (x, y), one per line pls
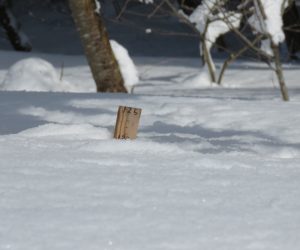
(127, 122)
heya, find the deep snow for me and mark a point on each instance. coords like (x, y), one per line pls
(209, 173)
(212, 168)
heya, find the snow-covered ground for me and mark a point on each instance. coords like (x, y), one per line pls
(213, 167)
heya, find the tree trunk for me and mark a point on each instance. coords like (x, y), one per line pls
(94, 37)
(277, 60)
(279, 73)
(12, 28)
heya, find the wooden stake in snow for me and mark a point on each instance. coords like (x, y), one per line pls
(127, 123)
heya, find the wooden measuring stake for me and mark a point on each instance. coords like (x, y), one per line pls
(127, 123)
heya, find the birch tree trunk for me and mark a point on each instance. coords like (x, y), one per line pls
(95, 41)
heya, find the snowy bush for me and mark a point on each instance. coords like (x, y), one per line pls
(212, 21)
(265, 17)
(33, 74)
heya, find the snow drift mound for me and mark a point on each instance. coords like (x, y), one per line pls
(36, 74)
(33, 74)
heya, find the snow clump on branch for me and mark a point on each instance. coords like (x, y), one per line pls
(98, 7)
(270, 21)
(212, 20)
(210, 25)
(146, 1)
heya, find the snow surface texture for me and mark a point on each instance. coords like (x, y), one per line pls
(211, 169)
(196, 178)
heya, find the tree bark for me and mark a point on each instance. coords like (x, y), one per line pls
(94, 38)
(279, 72)
(277, 60)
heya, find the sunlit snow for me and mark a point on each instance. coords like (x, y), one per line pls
(212, 168)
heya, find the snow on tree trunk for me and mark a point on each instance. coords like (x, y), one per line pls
(269, 15)
(129, 71)
(14, 33)
(94, 37)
